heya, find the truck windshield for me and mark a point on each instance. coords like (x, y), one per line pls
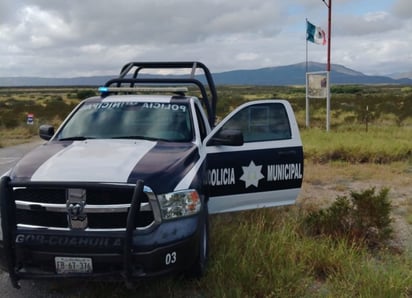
(130, 120)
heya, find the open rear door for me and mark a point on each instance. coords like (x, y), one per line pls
(266, 169)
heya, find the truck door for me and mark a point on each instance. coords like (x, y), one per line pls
(263, 170)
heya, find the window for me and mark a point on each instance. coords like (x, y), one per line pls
(201, 123)
(147, 120)
(263, 122)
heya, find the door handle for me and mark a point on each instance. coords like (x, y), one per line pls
(287, 152)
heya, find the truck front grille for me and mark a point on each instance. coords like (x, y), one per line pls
(103, 208)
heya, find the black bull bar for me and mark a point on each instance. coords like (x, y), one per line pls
(9, 227)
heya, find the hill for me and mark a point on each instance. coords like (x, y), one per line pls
(293, 74)
(400, 75)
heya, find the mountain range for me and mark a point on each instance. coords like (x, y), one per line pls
(279, 75)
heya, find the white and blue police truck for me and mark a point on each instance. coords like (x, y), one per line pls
(124, 187)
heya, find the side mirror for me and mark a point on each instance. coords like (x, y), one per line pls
(227, 137)
(46, 131)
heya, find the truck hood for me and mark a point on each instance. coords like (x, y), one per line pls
(161, 165)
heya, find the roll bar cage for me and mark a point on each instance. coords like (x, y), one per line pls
(129, 78)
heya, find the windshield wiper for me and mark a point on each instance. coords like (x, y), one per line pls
(141, 138)
(76, 138)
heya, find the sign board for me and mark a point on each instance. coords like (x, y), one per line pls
(30, 119)
(318, 86)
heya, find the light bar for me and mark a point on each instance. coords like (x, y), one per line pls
(143, 89)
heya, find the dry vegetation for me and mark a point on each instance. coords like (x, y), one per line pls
(264, 253)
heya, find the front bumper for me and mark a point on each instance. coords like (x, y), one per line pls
(30, 253)
(167, 249)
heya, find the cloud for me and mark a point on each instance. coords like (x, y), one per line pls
(129, 29)
(403, 9)
(370, 23)
(159, 22)
(374, 56)
(88, 37)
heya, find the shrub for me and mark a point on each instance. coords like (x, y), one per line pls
(364, 217)
(82, 94)
(9, 119)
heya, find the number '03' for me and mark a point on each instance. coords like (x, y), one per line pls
(170, 258)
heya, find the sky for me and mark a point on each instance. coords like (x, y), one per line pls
(59, 38)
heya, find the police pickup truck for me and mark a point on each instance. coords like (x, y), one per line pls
(124, 187)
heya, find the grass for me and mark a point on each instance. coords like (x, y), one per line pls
(260, 255)
(378, 145)
(263, 253)
(17, 135)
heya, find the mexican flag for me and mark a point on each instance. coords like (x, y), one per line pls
(315, 34)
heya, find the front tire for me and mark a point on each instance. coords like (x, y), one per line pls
(199, 266)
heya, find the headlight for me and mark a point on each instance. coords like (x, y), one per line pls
(180, 203)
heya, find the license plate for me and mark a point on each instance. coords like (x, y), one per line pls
(73, 265)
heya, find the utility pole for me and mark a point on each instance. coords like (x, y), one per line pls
(329, 6)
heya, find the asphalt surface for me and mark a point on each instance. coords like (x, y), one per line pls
(10, 155)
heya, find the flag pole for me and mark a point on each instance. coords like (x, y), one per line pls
(329, 5)
(329, 38)
(306, 47)
(306, 81)
(329, 30)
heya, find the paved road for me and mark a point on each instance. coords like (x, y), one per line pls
(10, 155)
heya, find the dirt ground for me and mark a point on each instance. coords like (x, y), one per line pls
(324, 182)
